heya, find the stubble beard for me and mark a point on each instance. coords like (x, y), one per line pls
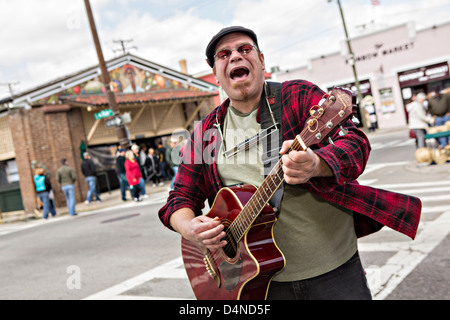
(243, 88)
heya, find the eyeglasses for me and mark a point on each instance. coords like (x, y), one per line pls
(242, 49)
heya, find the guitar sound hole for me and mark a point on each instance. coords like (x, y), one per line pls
(230, 248)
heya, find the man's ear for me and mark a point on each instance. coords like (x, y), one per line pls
(261, 58)
(214, 73)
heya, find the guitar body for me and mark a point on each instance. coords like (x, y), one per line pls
(245, 272)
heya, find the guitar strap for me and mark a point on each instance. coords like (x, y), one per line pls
(272, 142)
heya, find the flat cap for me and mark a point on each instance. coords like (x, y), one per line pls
(211, 48)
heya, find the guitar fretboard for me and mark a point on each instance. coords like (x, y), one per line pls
(260, 198)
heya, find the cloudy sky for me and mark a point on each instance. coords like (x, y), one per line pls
(47, 39)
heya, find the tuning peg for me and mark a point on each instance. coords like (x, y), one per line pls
(355, 120)
(342, 131)
(331, 141)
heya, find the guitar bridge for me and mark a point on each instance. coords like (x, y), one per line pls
(211, 267)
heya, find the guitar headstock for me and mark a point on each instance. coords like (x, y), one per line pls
(327, 116)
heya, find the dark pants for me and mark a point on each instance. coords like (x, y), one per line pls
(347, 282)
(135, 191)
(123, 184)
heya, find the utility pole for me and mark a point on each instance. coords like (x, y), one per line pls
(122, 44)
(353, 64)
(9, 85)
(120, 130)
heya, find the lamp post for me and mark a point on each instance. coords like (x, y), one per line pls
(120, 129)
(352, 62)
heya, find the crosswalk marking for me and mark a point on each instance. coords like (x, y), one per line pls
(414, 184)
(392, 144)
(374, 167)
(434, 198)
(169, 270)
(416, 192)
(434, 209)
(386, 278)
(408, 254)
(421, 190)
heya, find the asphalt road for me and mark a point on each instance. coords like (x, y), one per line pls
(102, 248)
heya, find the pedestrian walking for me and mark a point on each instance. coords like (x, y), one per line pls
(134, 175)
(153, 169)
(163, 163)
(418, 119)
(66, 177)
(35, 165)
(173, 157)
(43, 189)
(439, 107)
(89, 172)
(140, 159)
(121, 173)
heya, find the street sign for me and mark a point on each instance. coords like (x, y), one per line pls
(103, 114)
(118, 120)
(113, 122)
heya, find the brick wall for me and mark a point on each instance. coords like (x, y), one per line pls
(20, 129)
(47, 134)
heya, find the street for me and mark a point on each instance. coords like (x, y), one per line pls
(124, 252)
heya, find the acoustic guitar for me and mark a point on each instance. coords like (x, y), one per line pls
(243, 269)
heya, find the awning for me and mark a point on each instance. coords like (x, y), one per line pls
(138, 98)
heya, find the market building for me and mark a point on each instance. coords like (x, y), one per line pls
(70, 115)
(391, 64)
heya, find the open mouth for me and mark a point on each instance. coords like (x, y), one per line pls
(239, 73)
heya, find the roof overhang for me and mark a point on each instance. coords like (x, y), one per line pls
(26, 98)
(159, 96)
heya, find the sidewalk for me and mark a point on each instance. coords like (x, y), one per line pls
(109, 199)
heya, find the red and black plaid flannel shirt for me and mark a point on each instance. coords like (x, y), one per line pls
(198, 178)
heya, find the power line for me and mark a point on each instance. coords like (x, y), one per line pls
(123, 48)
(9, 85)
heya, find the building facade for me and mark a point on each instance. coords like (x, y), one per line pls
(392, 64)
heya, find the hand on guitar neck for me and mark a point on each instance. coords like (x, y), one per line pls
(300, 166)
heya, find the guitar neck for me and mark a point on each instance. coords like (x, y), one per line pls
(261, 197)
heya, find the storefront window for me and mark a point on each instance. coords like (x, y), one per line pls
(8, 172)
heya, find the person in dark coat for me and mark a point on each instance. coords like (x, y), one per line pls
(153, 168)
(89, 172)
